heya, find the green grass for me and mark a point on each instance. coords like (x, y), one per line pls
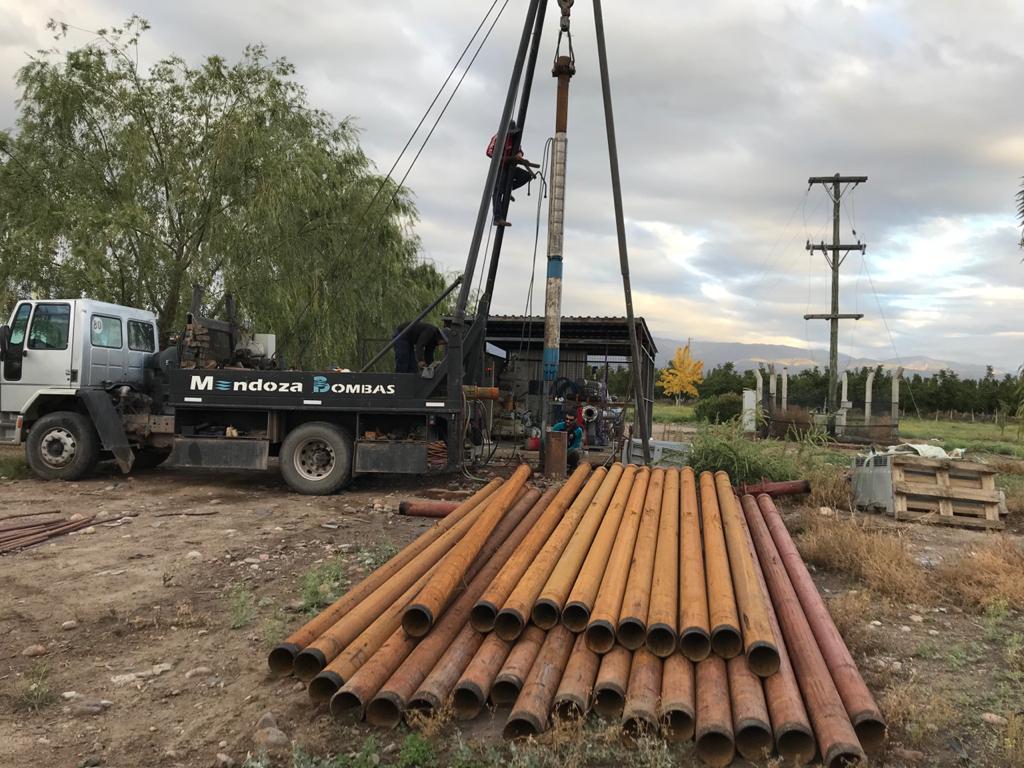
(323, 585)
(12, 464)
(241, 607)
(668, 413)
(36, 693)
(975, 437)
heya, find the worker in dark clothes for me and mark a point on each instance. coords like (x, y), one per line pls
(414, 349)
(518, 167)
(574, 449)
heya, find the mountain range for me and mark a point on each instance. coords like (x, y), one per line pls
(750, 356)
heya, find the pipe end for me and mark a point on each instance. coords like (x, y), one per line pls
(483, 616)
(763, 658)
(600, 636)
(637, 725)
(346, 705)
(609, 701)
(695, 643)
(661, 640)
(546, 613)
(569, 707)
(384, 710)
(870, 730)
(575, 616)
(309, 663)
(417, 620)
(324, 685)
(509, 624)
(715, 746)
(281, 658)
(726, 641)
(844, 756)
(677, 724)
(504, 692)
(522, 725)
(632, 633)
(467, 700)
(795, 743)
(753, 739)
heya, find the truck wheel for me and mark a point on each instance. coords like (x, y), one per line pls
(147, 458)
(316, 458)
(62, 446)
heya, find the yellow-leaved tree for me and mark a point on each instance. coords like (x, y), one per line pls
(682, 375)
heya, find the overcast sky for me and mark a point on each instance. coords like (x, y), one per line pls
(723, 110)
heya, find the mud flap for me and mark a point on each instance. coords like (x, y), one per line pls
(108, 426)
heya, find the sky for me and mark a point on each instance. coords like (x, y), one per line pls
(723, 110)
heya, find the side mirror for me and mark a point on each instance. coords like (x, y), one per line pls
(5, 340)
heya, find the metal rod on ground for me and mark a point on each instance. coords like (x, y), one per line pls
(620, 228)
(421, 508)
(418, 318)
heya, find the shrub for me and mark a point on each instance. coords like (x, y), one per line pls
(725, 447)
(720, 408)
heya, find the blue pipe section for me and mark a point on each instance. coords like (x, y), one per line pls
(550, 364)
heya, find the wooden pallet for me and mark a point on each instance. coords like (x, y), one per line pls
(945, 491)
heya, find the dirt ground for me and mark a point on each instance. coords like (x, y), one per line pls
(175, 613)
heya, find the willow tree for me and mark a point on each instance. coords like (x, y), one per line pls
(129, 186)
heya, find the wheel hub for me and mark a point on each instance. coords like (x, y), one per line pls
(314, 459)
(58, 447)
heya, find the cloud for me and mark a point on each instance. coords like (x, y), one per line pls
(723, 110)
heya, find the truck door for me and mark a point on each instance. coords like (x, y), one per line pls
(39, 358)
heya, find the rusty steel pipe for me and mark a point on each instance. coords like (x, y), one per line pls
(726, 640)
(611, 681)
(345, 664)
(857, 699)
(580, 603)
(836, 738)
(576, 689)
(750, 721)
(516, 610)
(389, 599)
(426, 508)
(486, 610)
(474, 687)
(794, 739)
(437, 686)
(600, 629)
(439, 592)
(716, 743)
(677, 709)
(631, 627)
(694, 621)
(397, 662)
(774, 489)
(531, 713)
(282, 656)
(751, 601)
(640, 711)
(516, 668)
(547, 610)
(662, 619)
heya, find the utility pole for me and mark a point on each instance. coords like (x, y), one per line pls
(564, 68)
(835, 261)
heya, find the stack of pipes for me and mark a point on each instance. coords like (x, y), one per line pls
(653, 597)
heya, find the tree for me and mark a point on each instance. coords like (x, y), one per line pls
(682, 375)
(720, 380)
(129, 185)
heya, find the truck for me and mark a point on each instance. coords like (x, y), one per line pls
(83, 381)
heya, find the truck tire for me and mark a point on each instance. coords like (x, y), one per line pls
(316, 458)
(62, 446)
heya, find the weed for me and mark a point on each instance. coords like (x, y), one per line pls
(260, 760)
(881, 560)
(1013, 742)
(1015, 657)
(275, 628)
(187, 618)
(242, 606)
(416, 752)
(322, 586)
(36, 692)
(13, 466)
(926, 650)
(912, 709)
(725, 447)
(995, 614)
(851, 613)
(376, 556)
(992, 574)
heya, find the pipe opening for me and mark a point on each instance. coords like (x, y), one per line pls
(753, 740)
(324, 685)
(637, 726)
(661, 640)
(309, 663)
(870, 732)
(483, 616)
(695, 644)
(545, 614)
(508, 625)
(600, 637)
(419, 708)
(575, 617)
(569, 708)
(609, 701)
(521, 726)
(843, 756)
(677, 725)
(726, 642)
(417, 620)
(715, 748)
(796, 747)
(384, 711)
(282, 658)
(467, 701)
(346, 703)
(504, 692)
(763, 659)
(632, 633)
